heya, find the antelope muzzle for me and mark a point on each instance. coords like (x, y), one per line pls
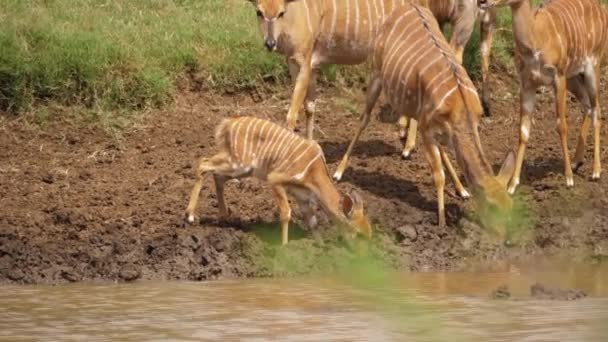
(269, 41)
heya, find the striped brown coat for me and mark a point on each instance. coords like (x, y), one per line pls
(561, 44)
(414, 65)
(249, 146)
(315, 32)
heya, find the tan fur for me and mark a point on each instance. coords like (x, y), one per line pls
(315, 32)
(417, 70)
(292, 165)
(560, 44)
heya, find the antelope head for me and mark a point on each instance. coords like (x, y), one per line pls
(492, 200)
(352, 206)
(271, 21)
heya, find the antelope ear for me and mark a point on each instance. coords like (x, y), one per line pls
(347, 205)
(506, 170)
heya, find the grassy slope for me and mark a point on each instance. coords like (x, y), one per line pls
(119, 56)
(124, 54)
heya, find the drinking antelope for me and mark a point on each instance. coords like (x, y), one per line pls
(561, 44)
(292, 165)
(421, 76)
(314, 32)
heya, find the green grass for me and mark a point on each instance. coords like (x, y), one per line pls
(124, 54)
(115, 57)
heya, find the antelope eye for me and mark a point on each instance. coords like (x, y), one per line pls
(259, 13)
(281, 15)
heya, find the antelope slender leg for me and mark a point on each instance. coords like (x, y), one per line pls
(402, 124)
(487, 26)
(373, 92)
(299, 92)
(219, 190)
(562, 126)
(410, 142)
(218, 164)
(310, 106)
(462, 28)
(462, 192)
(577, 86)
(596, 119)
(527, 101)
(431, 151)
(280, 197)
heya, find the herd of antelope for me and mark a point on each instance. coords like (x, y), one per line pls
(561, 44)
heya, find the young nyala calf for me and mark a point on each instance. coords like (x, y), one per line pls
(249, 146)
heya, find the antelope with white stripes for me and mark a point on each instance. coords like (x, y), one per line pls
(315, 32)
(560, 44)
(420, 76)
(292, 165)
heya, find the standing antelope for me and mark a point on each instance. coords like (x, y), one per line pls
(250, 146)
(561, 44)
(420, 75)
(315, 32)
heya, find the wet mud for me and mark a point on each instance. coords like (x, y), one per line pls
(77, 204)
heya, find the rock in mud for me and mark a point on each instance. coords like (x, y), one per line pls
(15, 274)
(501, 292)
(539, 291)
(408, 232)
(129, 273)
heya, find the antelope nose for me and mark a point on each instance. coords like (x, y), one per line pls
(270, 43)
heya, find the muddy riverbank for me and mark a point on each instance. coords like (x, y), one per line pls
(77, 204)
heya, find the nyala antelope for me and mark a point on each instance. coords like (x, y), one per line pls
(560, 44)
(420, 75)
(292, 165)
(315, 32)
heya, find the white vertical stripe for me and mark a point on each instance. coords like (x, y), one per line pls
(334, 13)
(377, 19)
(246, 145)
(357, 21)
(303, 172)
(307, 10)
(261, 139)
(440, 103)
(347, 21)
(235, 136)
(272, 133)
(291, 153)
(370, 25)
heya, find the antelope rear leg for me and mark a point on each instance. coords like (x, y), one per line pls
(218, 163)
(577, 86)
(562, 126)
(302, 71)
(373, 92)
(487, 26)
(280, 197)
(462, 192)
(410, 141)
(433, 156)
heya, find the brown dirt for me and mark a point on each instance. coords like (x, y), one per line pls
(76, 204)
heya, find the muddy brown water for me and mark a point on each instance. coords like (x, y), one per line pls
(400, 307)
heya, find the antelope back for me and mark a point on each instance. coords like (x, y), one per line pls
(419, 71)
(580, 26)
(263, 147)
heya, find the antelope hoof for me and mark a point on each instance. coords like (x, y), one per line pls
(569, 182)
(464, 194)
(406, 154)
(576, 166)
(337, 175)
(189, 219)
(512, 187)
(595, 176)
